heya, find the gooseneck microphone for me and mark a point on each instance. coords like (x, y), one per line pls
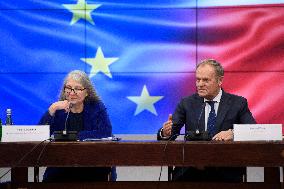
(66, 120)
(198, 135)
(66, 135)
(199, 117)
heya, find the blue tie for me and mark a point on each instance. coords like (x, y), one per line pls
(211, 120)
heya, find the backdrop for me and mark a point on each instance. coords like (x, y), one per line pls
(140, 55)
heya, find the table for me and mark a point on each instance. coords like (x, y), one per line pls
(144, 153)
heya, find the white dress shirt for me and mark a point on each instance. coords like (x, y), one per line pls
(208, 107)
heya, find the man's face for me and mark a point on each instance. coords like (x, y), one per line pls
(207, 82)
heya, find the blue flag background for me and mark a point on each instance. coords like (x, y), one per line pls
(150, 44)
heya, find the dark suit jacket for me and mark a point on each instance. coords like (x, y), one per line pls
(190, 113)
(232, 109)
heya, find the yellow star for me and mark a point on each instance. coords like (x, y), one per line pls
(145, 101)
(81, 10)
(99, 63)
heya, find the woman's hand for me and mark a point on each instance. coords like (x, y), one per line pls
(60, 105)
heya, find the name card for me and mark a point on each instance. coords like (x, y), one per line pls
(257, 132)
(21, 133)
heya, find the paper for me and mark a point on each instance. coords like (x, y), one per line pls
(21, 133)
(257, 132)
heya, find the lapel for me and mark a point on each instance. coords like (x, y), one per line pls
(86, 116)
(222, 110)
(199, 109)
(91, 114)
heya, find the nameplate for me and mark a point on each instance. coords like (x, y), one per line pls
(21, 133)
(257, 132)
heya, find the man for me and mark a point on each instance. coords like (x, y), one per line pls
(212, 111)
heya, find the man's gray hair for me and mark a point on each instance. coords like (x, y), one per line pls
(217, 66)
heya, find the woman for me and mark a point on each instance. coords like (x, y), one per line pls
(87, 115)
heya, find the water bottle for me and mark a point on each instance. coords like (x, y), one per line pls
(9, 117)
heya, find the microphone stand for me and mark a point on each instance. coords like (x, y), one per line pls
(198, 135)
(66, 135)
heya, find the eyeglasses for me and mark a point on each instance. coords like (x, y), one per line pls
(75, 90)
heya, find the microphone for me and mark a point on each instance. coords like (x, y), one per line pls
(198, 135)
(199, 117)
(66, 135)
(65, 124)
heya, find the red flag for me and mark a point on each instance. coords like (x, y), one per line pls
(249, 42)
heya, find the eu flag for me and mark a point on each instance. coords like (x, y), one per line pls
(140, 55)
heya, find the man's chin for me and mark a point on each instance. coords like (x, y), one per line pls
(201, 94)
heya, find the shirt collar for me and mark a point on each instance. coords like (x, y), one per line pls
(217, 98)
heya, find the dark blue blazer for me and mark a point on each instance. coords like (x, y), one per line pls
(96, 125)
(96, 121)
(232, 109)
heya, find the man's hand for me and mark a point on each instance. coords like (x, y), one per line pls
(224, 135)
(167, 126)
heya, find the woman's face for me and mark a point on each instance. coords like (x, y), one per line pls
(75, 92)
